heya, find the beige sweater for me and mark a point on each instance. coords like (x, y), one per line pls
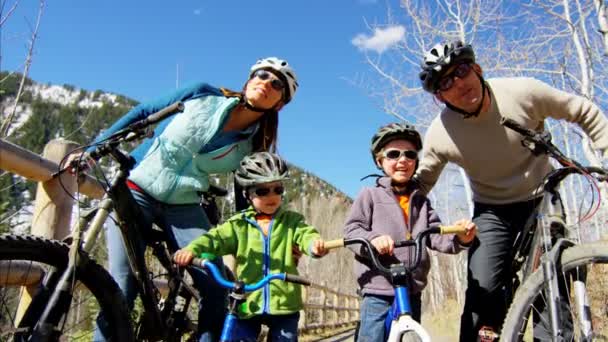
(499, 168)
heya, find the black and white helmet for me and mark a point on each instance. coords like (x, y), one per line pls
(438, 59)
(283, 70)
(261, 167)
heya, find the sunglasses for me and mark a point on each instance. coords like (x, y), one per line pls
(394, 154)
(275, 82)
(263, 191)
(461, 71)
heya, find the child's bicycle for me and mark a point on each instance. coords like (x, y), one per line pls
(69, 288)
(231, 330)
(399, 324)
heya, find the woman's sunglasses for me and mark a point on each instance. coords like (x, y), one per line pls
(394, 154)
(263, 191)
(275, 82)
(461, 71)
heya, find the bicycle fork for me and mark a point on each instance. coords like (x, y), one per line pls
(552, 225)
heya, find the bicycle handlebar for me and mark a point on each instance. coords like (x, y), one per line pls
(417, 242)
(541, 143)
(217, 275)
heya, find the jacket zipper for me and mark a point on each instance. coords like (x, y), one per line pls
(266, 262)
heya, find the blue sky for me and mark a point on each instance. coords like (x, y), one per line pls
(133, 48)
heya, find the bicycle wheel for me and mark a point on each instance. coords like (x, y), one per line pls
(37, 263)
(181, 324)
(589, 262)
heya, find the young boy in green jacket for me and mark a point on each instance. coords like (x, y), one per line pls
(262, 238)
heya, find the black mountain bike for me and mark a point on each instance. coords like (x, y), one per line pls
(68, 288)
(563, 294)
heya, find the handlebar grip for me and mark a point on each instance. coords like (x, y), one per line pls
(333, 244)
(163, 113)
(292, 278)
(517, 127)
(452, 229)
(197, 262)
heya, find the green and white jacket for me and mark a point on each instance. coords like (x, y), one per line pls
(258, 255)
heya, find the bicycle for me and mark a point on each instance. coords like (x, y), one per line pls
(231, 331)
(556, 271)
(399, 324)
(63, 266)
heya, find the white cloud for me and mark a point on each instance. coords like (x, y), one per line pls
(381, 40)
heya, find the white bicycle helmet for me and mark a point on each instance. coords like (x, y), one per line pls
(439, 58)
(261, 167)
(282, 70)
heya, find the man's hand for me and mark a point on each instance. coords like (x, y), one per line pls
(468, 236)
(384, 244)
(183, 257)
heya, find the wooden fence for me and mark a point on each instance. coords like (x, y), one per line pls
(327, 311)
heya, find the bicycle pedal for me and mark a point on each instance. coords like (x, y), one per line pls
(487, 334)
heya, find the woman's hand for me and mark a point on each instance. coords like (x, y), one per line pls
(384, 244)
(183, 257)
(468, 236)
(78, 160)
(318, 248)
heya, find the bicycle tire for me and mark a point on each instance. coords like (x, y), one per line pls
(592, 254)
(37, 253)
(410, 336)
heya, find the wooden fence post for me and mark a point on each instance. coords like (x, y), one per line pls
(336, 303)
(302, 322)
(52, 208)
(323, 298)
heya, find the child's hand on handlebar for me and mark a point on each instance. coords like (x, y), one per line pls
(183, 257)
(468, 236)
(318, 248)
(384, 244)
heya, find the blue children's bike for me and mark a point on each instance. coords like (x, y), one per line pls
(232, 331)
(399, 324)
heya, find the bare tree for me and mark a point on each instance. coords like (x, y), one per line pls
(6, 124)
(602, 19)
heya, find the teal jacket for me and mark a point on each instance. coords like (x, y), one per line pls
(174, 167)
(258, 255)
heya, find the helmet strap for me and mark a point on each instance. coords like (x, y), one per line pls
(476, 112)
(248, 105)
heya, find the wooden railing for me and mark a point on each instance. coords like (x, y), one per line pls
(328, 310)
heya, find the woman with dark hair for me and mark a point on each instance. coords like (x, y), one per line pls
(217, 128)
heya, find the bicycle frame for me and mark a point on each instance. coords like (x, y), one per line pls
(549, 238)
(399, 319)
(238, 290)
(119, 198)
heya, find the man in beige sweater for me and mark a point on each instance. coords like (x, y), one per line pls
(506, 179)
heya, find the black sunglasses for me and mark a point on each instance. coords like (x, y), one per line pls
(263, 191)
(394, 154)
(461, 71)
(275, 82)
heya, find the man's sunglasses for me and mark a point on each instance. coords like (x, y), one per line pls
(275, 82)
(263, 191)
(461, 71)
(394, 154)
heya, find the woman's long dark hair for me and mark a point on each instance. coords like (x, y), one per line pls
(265, 138)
